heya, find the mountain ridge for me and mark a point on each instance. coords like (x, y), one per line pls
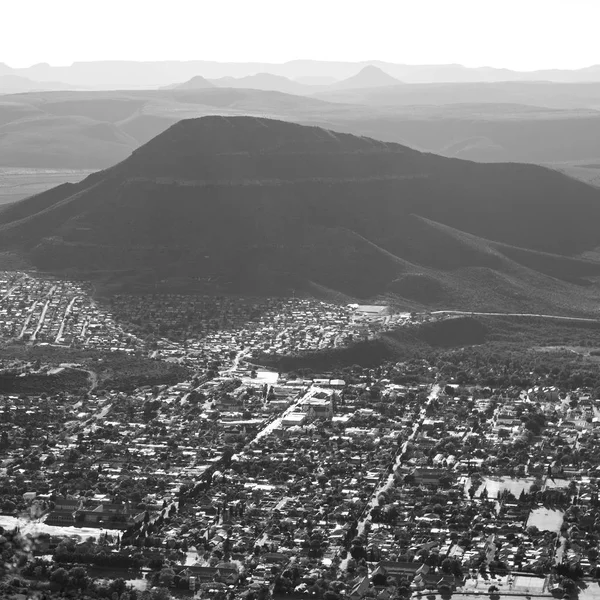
(120, 74)
(368, 77)
(195, 83)
(252, 205)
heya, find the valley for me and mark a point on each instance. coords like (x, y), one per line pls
(19, 183)
(42, 129)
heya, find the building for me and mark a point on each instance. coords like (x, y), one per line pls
(319, 403)
(294, 419)
(370, 313)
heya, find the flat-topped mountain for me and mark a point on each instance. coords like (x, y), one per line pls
(255, 205)
(267, 82)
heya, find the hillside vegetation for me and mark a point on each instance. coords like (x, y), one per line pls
(113, 370)
(527, 340)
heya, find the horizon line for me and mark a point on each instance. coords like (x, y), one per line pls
(295, 60)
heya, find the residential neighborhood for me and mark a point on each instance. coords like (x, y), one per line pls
(49, 311)
(407, 479)
(256, 483)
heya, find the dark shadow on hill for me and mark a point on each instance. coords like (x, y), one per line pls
(460, 331)
(396, 345)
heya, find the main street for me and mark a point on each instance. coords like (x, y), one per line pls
(386, 483)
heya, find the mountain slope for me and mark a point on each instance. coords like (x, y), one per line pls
(15, 84)
(254, 205)
(62, 120)
(368, 77)
(267, 82)
(53, 142)
(195, 83)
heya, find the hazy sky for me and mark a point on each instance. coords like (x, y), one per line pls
(518, 34)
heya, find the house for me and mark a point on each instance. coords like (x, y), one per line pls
(223, 574)
(111, 516)
(66, 504)
(359, 590)
(431, 424)
(396, 569)
(61, 518)
(275, 557)
(294, 419)
(429, 477)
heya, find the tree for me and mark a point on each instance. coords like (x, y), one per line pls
(446, 565)
(409, 479)
(166, 577)
(78, 578)
(118, 586)
(60, 576)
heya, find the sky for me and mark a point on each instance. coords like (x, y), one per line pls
(515, 34)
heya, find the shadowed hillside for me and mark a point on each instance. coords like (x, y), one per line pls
(254, 205)
(399, 344)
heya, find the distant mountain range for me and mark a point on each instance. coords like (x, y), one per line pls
(552, 95)
(91, 130)
(267, 82)
(132, 75)
(253, 205)
(368, 77)
(16, 84)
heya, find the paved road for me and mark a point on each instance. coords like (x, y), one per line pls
(276, 423)
(64, 320)
(500, 314)
(236, 361)
(41, 319)
(386, 483)
(560, 550)
(10, 291)
(27, 320)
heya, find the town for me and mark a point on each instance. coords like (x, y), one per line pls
(388, 482)
(263, 485)
(195, 331)
(50, 311)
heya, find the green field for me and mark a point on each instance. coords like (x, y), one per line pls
(17, 183)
